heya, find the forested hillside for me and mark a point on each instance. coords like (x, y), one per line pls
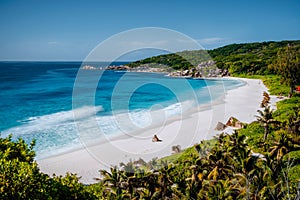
(249, 58)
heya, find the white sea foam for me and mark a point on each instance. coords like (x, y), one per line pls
(63, 116)
(54, 133)
(61, 131)
(58, 132)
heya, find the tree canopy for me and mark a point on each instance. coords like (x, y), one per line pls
(287, 64)
(248, 58)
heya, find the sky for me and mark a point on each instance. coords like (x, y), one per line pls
(68, 30)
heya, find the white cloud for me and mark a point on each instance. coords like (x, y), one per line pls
(52, 43)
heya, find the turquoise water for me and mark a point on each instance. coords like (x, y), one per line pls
(44, 100)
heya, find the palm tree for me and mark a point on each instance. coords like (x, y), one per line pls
(164, 181)
(284, 145)
(294, 122)
(266, 119)
(218, 189)
(128, 168)
(153, 164)
(115, 182)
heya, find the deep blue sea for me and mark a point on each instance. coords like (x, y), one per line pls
(41, 100)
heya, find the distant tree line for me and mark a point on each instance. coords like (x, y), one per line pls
(259, 58)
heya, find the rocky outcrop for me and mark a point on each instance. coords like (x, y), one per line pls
(139, 162)
(147, 68)
(143, 68)
(156, 139)
(195, 73)
(176, 149)
(234, 123)
(119, 68)
(112, 67)
(206, 64)
(225, 72)
(89, 67)
(204, 69)
(220, 126)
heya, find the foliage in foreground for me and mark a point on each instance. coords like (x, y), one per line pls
(238, 166)
(20, 177)
(229, 170)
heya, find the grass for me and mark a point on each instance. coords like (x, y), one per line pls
(189, 153)
(254, 133)
(273, 83)
(287, 108)
(177, 156)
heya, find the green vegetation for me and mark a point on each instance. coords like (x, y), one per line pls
(266, 119)
(272, 82)
(238, 166)
(249, 58)
(260, 161)
(178, 61)
(274, 85)
(190, 152)
(20, 177)
(288, 109)
(287, 65)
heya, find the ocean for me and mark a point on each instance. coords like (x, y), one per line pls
(46, 101)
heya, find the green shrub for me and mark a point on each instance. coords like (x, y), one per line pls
(20, 177)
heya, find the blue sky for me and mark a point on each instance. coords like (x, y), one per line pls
(68, 30)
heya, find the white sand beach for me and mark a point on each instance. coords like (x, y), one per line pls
(241, 103)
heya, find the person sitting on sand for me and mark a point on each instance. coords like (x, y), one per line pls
(156, 139)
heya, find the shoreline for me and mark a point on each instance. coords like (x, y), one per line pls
(241, 102)
(186, 114)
